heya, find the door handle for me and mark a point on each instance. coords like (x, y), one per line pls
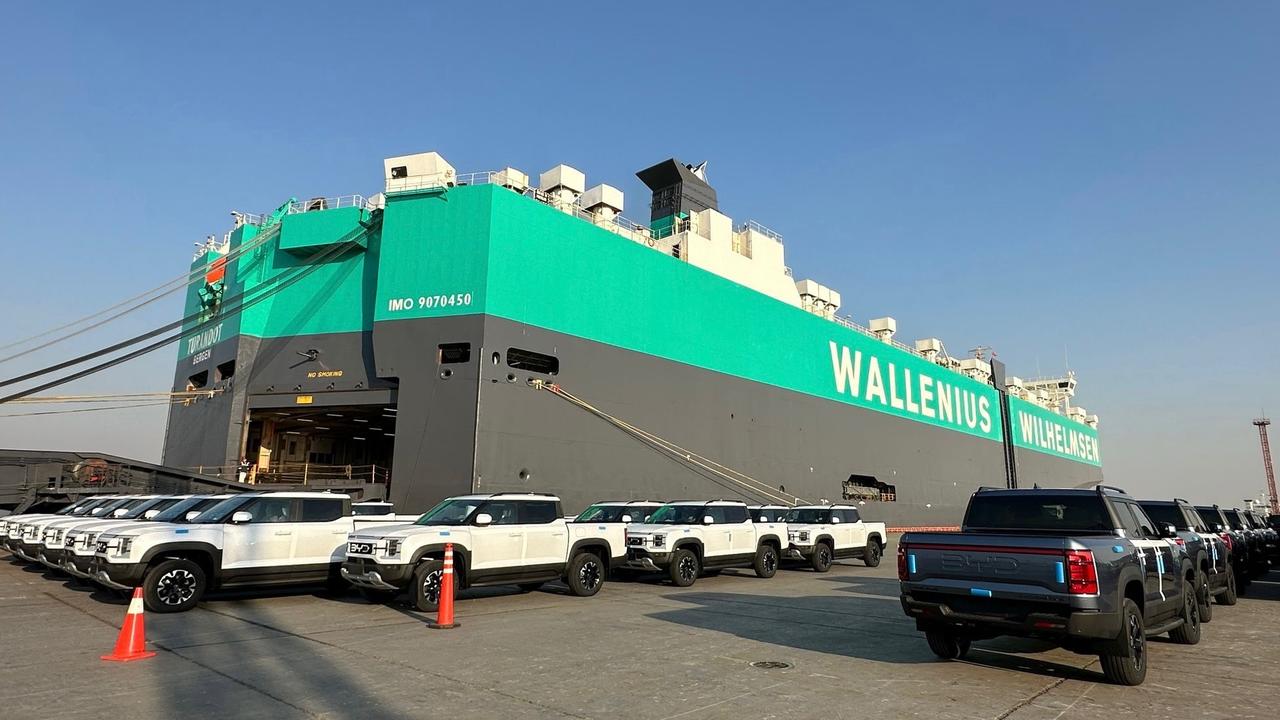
(515, 535)
(560, 534)
(284, 532)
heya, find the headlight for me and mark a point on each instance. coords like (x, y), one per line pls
(393, 546)
(804, 536)
(659, 540)
(121, 547)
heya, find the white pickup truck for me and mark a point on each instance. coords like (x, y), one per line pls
(498, 539)
(683, 539)
(29, 541)
(821, 534)
(9, 524)
(82, 540)
(252, 539)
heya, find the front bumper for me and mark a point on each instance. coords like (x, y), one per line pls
(121, 576)
(1084, 625)
(78, 565)
(641, 559)
(27, 551)
(53, 557)
(374, 576)
(799, 552)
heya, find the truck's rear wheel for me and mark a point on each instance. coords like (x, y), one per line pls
(821, 558)
(684, 567)
(1204, 598)
(766, 564)
(173, 586)
(1188, 633)
(871, 555)
(1128, 666)
(946, 645)
(427, 580)
(1229, 597)
(585, 574)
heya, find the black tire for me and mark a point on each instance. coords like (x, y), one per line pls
(822, 557)
(871, 555)
(766, 564)
(1229, 597)
(426, 585)
(380, 597)
(1127, 665)
(684, 567)
(530, 587)
(172, 586)
(946, 645)
(1188, 633)
(586, 574)
(1204, 598)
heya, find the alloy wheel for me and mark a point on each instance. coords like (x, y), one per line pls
(176, 587)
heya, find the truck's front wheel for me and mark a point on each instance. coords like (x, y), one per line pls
(684, 567)
(173, 586)
(585, 574)
(427, 580)
(1129, 665)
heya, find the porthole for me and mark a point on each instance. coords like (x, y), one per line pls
(446, 373)
(524, 474)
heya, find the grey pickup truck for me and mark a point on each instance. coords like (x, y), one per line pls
(1086, 569)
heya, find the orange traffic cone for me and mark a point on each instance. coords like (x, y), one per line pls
(132, 642)
(444, 608)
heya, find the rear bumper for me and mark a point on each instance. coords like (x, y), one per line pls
(371, 575)
(1084, 625)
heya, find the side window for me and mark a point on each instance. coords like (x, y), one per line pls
(502, 512)
(735, 514)
(537, 512)
(1128, 522)
(321, 509)
(1145, 526)
(271, 510)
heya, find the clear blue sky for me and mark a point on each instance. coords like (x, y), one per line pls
(1097, 182)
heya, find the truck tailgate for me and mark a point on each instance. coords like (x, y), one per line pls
(983, 566)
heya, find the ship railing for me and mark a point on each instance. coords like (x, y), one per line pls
(330, 203)
(849, 323)
(763, 230)
(298, 473)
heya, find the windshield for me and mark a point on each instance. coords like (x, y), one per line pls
(177, 512)
(615, 513)
(1162, 514)
(107, 508)
(801, 516)
(86, 507)
(1038, 512)
(1234, 519)
(137, 511)
(1210, 515)
(76, 507)
(223, 510)
(371, 509)
(451, 512)
(678, 515)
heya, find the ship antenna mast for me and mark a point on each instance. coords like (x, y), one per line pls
(1262, 423)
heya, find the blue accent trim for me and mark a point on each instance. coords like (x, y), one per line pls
(183, 531)
(1117, 548)
(980, 592)
(444, 533)
(911, 563)
(1060, 572)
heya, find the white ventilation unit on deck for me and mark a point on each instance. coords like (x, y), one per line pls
(563, 185)
(884, 328)
(929, 348)
(512, 179)
(418, 172)
(976, 368)
(604, 202)
(818, 298)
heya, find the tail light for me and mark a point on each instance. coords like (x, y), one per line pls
(902, 563)
(1226, 538)
(1180, 542)
(1082, 576)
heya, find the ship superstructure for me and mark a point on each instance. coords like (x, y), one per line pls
(469, 332)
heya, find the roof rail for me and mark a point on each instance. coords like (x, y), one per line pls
(513, 492)
(1182, 500)
(1112, 488)
(988, 488)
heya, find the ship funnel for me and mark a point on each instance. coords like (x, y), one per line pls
(604, 202)
(678, 189)
(563, 185)
(418, 172)
(884, 328)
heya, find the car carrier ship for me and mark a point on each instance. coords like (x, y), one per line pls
(460, 333)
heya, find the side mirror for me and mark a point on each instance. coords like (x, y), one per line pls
(483, 519)
(150, 514)
(763, 519)
(708, 520)
(119, 512)
(1169, 531)
(192, 515)
(835, 521)
(626, 518)
(241, 517)
(1217, 527)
